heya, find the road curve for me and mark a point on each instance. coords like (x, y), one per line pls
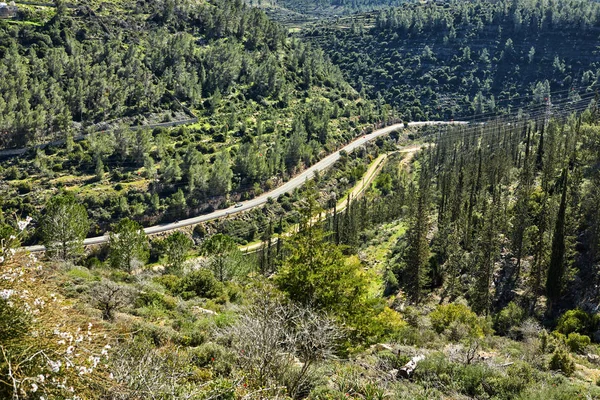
(358, 189)
(288, 186)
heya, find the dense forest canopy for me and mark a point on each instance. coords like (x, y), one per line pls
(460, 58)
(82, 66)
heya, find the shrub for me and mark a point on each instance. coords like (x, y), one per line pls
(200, 283)
(214, 356)
(511, 316)
(457, 316)
(200, 231)
(24, 187)
(576, 321)
(170, 282)
(155, 299)
(110, 297)
(577, 343)
(14, 323)
(12, 173)
(561, 361)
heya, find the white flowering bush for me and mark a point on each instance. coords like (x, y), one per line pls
(47, 348)
(10, 238)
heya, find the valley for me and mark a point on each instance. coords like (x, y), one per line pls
(300, 199)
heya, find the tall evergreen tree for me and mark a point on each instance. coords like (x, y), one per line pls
(556, 268)
(417, 252)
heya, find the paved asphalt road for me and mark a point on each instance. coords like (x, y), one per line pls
(262, 199)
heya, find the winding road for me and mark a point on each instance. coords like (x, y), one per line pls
(288, 186)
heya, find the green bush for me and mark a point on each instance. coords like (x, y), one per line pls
(121, 276)
(455, 317)
(576, 321)
(200, 283)
(214, 356)
(561, 389)
(155, 299)
(14, 323)
(561, 361)
(170, 282)
(221, 389)
(511, 316)
(577, 343)
(24, 187)
(474, 380)
(158, 335)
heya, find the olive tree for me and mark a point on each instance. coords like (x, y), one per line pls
(110, 297)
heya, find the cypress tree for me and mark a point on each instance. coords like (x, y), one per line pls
(417, 253)
(556, 268)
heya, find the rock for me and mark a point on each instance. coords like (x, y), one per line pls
(409, 367)
(200, 310)
(593, 358)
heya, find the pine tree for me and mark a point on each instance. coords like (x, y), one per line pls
(486, 250)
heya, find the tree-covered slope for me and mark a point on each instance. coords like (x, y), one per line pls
(259, 107)
(89, 64)
(297, 12)
(443, 60)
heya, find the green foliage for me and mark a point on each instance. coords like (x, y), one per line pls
(14, 323)
(474, 380)
(577, 321)
(64, 226)
(317, 274)
(224, 257)
(170, 282)
(562, 361)
(201, 283)
(128, 246)
(222, 69)
(578, 343)
(509, 317)
(560, 389)
(557, 267)
(438, 61)
(153, 298)
(451, 316)
(176, 247)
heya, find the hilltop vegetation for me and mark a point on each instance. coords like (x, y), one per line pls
(464, 58)
(296, 13)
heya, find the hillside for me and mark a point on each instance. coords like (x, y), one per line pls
(405, 261)
(427, 267)
(297, 13)
(457, 59)
(255, 107)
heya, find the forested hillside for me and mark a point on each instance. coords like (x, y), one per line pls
(258, 107)
(463, 58)
(474, 260)
(96, 64)
(428, 261)
(294, 13)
